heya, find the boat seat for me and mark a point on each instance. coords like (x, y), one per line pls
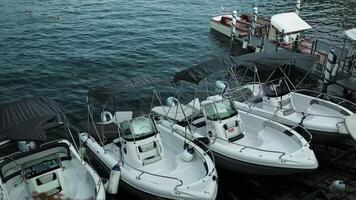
(149, 153)
(107, 132)
(46, 183)
(287, 107)
(235, 138)
(151, 159)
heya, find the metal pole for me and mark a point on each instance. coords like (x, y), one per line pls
(331, 61)
(297, 7)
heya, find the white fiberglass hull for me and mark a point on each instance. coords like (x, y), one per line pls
(151, 184)
(324, 119)
(270, 150)
(75, 179)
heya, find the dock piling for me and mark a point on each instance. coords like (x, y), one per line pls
(254, 21)
(330, 63)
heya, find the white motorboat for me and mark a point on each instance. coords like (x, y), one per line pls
(272, 95)
(32, 167)
(289, 24)
(285, 29)
(153, 162)
(326, 120)
(241, 141)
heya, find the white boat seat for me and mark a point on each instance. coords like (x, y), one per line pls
(286, 106)
(151, 159)
(149, 153)
(232, 131)
(46, 183)
(180, 112)
(147, 147)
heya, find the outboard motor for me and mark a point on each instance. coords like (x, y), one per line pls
(172, 101)
(221, 87)
(26, 145)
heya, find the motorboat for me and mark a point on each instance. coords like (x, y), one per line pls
(326, 120)
(34, 167)
(153, 161)
(286, 29)
(241, 141)
(266, 90)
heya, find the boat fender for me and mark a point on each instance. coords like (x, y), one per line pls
(26, 145)
(171, 101)
(106, 117)
(187, 155)
(112, 185)
(337, 188)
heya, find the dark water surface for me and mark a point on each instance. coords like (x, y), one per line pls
(62, 48)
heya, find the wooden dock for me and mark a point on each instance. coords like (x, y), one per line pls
(343, 78)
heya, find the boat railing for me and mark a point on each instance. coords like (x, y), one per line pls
(209, 153)
(254, 148)
(152, 174)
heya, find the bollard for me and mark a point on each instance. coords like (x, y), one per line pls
(331, 61)
(234, 19)
(254, 21)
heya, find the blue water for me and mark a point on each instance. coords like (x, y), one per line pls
(63, 48)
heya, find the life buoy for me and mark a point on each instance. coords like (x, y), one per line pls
(106, 117)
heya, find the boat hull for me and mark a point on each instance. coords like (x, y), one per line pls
(123, 185)
(239, 166)
(220, 28)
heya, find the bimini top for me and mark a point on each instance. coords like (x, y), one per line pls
(262, 61)
(102, 93)
(28, 119)
(289, 23)
(351, 33)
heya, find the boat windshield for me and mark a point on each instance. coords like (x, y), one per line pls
(138, 128)
(220, 110)
(275, 88)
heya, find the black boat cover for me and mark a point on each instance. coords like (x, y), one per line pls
(263, 62)
(102, 93)
(27, 119)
